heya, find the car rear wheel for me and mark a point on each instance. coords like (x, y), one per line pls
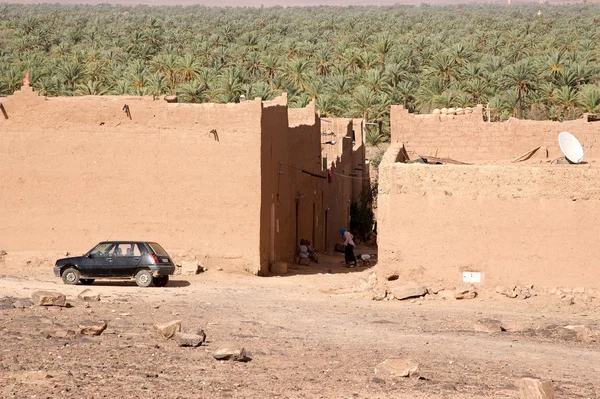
(87, 281)
(70, 276)
(143, 278)
(160, 281)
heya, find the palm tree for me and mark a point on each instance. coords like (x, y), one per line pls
(383, 47)
(365, 104)
(521, 77)
(70, 74)
(168, 65)
(589, 99)
(192, 91)
(90, 88)
(297, 73)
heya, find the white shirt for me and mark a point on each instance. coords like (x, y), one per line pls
(348, 239)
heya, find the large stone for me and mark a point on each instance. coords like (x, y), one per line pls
(231, 352)
(489, 326)
(92, 327)
(49, 298)
(190, 267)
(532, 388)
(88, 295)
(408, 291)
(184, 339)
(465, 292)
(397, 368)
(167, 330)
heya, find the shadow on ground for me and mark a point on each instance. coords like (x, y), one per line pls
(332, 264)
(128, 283)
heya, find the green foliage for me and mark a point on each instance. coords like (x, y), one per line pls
(354, 61)
(361, 214)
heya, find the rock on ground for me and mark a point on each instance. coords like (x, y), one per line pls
(92, 327)
(531, 388)
(22, 304)
(465, 292)
(167, 330)
(408, 291)
(66, 334)
(584, 333)
(184, 339)
(517, 326)
(489, 326)
(49, 298)
(397, 368)
(88, 295)
(231, 352)
(190, 267)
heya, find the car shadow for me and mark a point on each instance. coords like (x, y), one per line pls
(127, 283)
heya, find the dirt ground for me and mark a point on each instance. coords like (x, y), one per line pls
(313, 334)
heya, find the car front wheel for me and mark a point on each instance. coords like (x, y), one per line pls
(71, 276)
(161, 281)
(143, 278)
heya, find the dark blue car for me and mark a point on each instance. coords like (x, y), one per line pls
(147, 262)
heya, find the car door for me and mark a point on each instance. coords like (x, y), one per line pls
(127, 257)
(98, 262)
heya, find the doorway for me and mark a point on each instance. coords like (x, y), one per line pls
(297, 240)
(314, 223)
(326, 231)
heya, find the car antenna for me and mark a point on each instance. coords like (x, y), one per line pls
(111, 234)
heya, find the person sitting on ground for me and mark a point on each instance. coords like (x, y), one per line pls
(312, 253)
(303, 252)
(349, 248)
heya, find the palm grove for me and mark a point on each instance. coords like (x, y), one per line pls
(354, 61)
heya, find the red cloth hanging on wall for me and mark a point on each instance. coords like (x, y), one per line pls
(330, 175)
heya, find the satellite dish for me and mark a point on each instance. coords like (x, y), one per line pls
(571, 147)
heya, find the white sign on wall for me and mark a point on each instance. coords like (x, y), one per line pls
(471, 277)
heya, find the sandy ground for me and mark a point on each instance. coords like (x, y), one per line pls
(311, 335)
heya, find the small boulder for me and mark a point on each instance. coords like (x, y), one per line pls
(231, 352)
(3, 253)
(532, 388)
(88, 295)
(584, 333)
(22, 304)
(465, 292)
(408, 291)
(49, 298)
(190, 267)
(435, 289)
(489, 326)
(64, 334)
(193, 340)
(92, 327)
(167, 330)
(378, 295)
(397, 368)
(516, 326)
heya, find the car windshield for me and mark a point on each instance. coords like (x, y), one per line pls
(158, 250)
(101, 249)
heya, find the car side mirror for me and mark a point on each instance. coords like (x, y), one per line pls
(90, 256)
